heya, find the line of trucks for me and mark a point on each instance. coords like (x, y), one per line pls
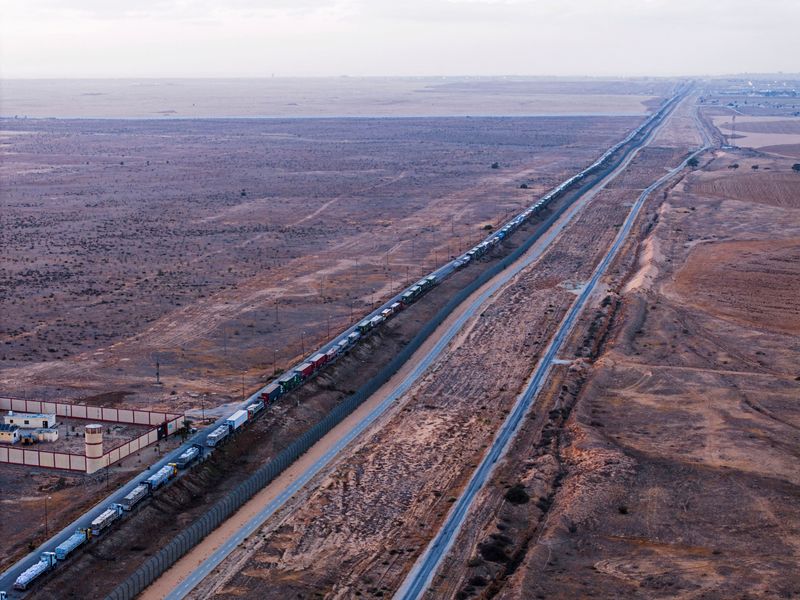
(49, 560)
(300, 374)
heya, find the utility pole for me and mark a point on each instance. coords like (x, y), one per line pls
(158, 373)
(303, 343)
(274, 361)
(46, 498)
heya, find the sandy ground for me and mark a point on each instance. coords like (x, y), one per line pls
(222, 249)
(325, 97)
(671, 468)
(776, 135)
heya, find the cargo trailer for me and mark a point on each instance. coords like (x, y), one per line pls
(305, 370)
(271, 393)
(215, 437)
(354, 337)
(135, 496)
(318, 360)
(236, 420)
(162, 476)
(386, 313)
(106, 519)
(188, 456)
(77, 539)
(289, 381)
(46, 563)
(331, 354)
(363, 327)
(396, 307)
(254, 408)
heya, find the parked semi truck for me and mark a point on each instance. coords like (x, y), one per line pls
(77, 539)
(135, 496)
(162, 476)
(46, 563)
(106, 518)
(215, 437)
(188, 456)
(236, 420)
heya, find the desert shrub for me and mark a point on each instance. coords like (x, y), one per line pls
(516, 494)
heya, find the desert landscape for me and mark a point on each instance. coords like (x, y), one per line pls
(130, 248)
(442, 300)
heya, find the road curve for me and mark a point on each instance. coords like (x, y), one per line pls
(424, 569)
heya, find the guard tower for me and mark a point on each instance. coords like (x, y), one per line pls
(93, 441)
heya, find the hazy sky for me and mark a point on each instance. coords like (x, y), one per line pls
(247, 38)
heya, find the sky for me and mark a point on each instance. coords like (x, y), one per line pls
(297, 38)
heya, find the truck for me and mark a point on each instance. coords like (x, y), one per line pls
(67, 547)
(106, 518)
(305, 370)
(134, 496)
(162, 476)
(188, 456)
(254, 408)
(363, 327)
(46, 563)
(216, 436)
(354, 337)
(318, 360)
(331, 354)
(271, 393)
(289, 381)
(236, 420)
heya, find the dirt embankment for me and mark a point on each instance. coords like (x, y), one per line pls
(675, 473)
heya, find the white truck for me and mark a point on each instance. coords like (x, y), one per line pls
(236, 420)
(135, 496)
(104, 520)
(46, 563)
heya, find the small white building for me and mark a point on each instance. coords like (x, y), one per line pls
(31, 436)
(9, 434)
(30, 420)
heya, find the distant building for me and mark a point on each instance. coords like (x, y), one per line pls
(31, 436)
(30, 420)
(9, 434)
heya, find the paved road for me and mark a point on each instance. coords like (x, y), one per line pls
(548, 235)
(9, 576)
(422, 573)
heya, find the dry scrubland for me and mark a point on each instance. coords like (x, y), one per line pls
(327, 97)
(127, 242)
(131, 241)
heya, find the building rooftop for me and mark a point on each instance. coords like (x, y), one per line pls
(22, 415)
(4, 427)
